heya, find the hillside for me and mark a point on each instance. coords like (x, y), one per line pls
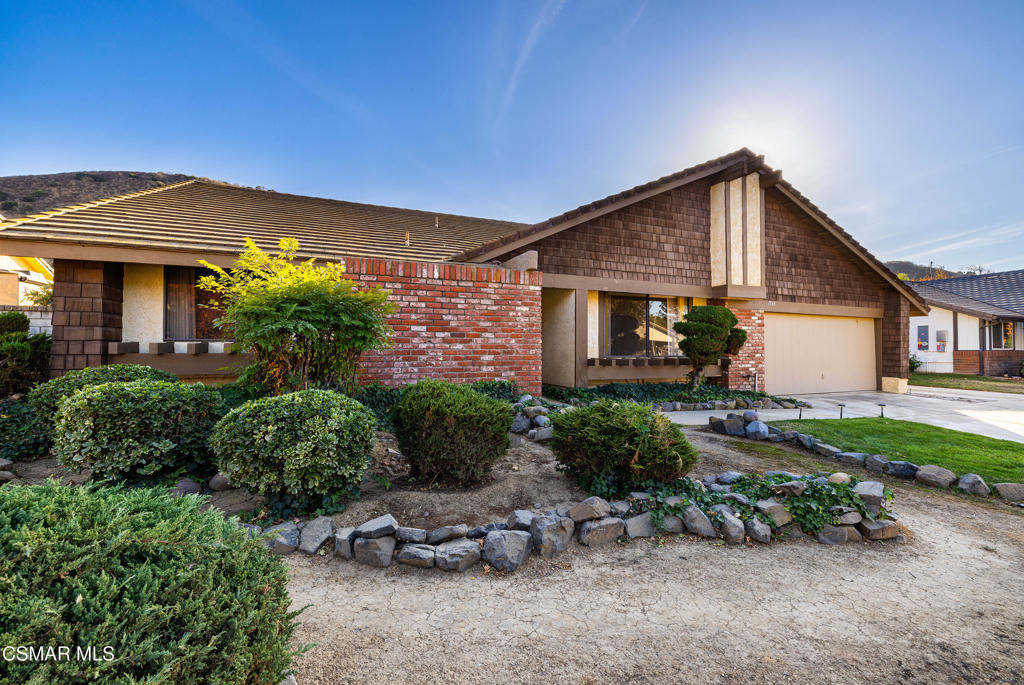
(921, 272)
(24, 195)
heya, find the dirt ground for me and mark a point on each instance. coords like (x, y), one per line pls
(945, 607)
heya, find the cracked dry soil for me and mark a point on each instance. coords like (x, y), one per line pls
(948, 606)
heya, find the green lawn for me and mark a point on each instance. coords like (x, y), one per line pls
(965, 381)
(997, 461)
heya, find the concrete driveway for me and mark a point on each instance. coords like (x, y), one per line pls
(995, 414)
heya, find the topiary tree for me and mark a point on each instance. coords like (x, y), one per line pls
(709, 332)
(451, 432)
(13, 322)
(44, 398)
(305, 324)
(309, 445)
(160, 589)
(623, 441)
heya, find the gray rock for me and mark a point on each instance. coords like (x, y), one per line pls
(505, 550)
(871, 491)
(723, 509)
(315, 533)
(541, 422)
(220, 482)
(901, 469)
(720, 405)
(8, 476)
(445, 533)
(378, 527)
(852, 534)
(852, 458)
(875, 462)
(715, 487)
(543, 434)
(935, 476)
(282, 538)
(850, 518)
(835, 535)
(825, 450)
(589, 509)
(403, 534)
(793, 531)
(520, 423)
(732, 529)
(251, 529)
(676, 501)
(457, 555)
(551, 534)
(736, 497)
(520, 519)
(808, 441)
(523, 399)
(697, 522)
(758, 530)
(757, 430)
(601, 531)
(185, 486)
(343, 542)
(672, 524)
(787, 474)
(641, 526)
(1013, 492)
(750, 415)
(620, 508)
(6, 464)
(776, 438)
(640, 495)
(481, 531)
(415, 554)
(774, 431)
(729, 477)
(878, 530)
(730, 404)
(793, 488)
(772, 508)
(534, 411)
(374, 551)
(735, 427)
(789, 435)
(290, 680)
(972, 484)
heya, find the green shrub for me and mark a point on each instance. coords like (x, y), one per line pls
(46, 396)
(916, 363)
(656, 392)
(506, 391)
(709, 332)
(622, 441)
(13, 322)
(138, 430)
(179, 595)
(24, 361)
(379, 399)
(307, 444)
(22, 435)
(450, 432)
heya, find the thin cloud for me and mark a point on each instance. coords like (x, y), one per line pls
(982, 237)
(546, 18)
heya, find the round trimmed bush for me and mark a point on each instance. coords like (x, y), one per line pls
(306, 444)
(138, 430)
(451, 432)
(622, 440)
(13, 322)
(45, 397)
(177, 594)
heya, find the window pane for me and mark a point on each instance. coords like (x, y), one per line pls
(663, 313)
(179, 322)
(1007, 335)
(205, 330)
(922, 337)
(627, 325)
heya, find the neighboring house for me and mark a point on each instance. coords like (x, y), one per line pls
(976, 324)
(584, 298)
(20, 276)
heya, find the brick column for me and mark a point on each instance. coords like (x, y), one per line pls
(750, 359)
(87, 301)
(895, 334)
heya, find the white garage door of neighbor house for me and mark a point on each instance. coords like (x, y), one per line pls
(808, 354)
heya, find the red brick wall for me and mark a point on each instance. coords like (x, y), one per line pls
(86, 312)
(965, 361)
(750, 359)
(456, 322)
(1003, 362)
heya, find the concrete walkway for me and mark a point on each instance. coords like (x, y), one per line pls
(994, 414)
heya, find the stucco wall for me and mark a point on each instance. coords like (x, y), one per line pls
(968, 333)
(558, 330)
(143, 313)
(938, 319)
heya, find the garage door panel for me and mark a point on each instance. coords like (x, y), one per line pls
(809, 354)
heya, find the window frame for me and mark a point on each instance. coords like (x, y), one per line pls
(195, 271)
(997, 330)
(684, 304)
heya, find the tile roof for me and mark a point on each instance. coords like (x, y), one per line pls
(948, 300)
(1004, 290)
(205, 217)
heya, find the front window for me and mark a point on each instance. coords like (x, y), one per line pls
(1001, 335)
(185, 317)
(641, 325)
(922, 337)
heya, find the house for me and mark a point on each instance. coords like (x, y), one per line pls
(976, 324)
(583, 298)
(20, 276)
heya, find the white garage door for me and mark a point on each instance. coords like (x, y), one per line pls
(807, 354)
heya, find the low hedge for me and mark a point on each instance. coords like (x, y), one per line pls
(23, 436)
(450, 432)
(138, 430)
(45, 398)
(178, 595)
(655, 392)
(308, 444)
(620, 440)
(379, 399)
(24, 361)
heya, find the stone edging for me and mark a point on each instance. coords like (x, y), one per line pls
(750, 426)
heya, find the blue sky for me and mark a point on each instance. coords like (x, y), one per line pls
(904, 121)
